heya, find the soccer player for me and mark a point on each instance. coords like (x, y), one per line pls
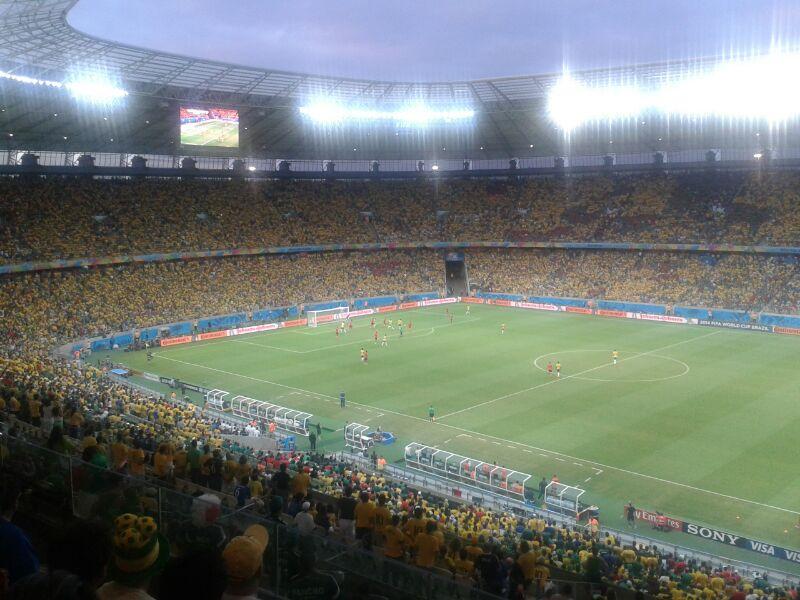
(614, 356)
(399, 323)
(409, 325)
(451, 319)
(431, 413)
(384, 322)
(372, 323)
(385, 342)
(363, 352)
(558, 369)
(342, 402)
(391, 324)
(375, 336)
(467, 309)
(366, 356)
(550, 369)
(337, 331)
(349, 324)
(502, 329)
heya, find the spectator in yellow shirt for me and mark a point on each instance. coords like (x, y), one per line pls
(382, 514)
(35, 410)
(464, 566)
(365, 519)
(162, 461)
(256, 489)
(136, 460)
(119, 454)
(416, 525)
(394, 539)
(300, 483)
(179, 460)
(527, 561)
(427, 546)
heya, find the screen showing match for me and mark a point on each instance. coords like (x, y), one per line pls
(214, 127)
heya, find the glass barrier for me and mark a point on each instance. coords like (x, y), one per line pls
(63, 486)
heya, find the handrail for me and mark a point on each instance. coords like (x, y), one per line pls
(437, 485)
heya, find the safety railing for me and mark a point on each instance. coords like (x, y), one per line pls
(442, 487)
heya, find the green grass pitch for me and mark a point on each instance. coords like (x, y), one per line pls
(699, 423)
(224, 134)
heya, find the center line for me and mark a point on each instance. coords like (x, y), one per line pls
(578, 374)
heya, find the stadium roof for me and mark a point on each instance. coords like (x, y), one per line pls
(37, 34)
(37, 41)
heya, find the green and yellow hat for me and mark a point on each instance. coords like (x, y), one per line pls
(140, 551)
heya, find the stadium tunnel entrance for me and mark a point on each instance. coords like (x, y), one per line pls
(455, 274)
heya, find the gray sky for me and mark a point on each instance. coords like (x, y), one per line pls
(445, 39)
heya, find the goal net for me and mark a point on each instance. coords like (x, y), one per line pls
(327, 315)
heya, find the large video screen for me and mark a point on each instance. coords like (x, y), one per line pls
(215, 127)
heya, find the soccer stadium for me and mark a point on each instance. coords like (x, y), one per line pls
(266, 333)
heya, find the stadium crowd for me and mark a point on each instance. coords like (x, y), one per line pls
(737, 281)
(58, 218)
(77, 411)
(52, 307)
(46, 308)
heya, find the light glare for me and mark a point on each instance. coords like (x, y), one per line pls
(759, 88)
(327, 113)
(92, 89)
(95, 90)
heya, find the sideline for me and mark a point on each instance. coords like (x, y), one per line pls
(480, 435)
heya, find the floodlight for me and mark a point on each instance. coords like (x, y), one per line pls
(329, 113)
(757, 155)
(29, 80)
(251, 168)
(434, 167)
(95, 90)
(571, 103)
(756, 88)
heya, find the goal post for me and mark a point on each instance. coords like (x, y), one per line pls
(316, 318)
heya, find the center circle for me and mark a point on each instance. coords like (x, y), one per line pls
(589, 365)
